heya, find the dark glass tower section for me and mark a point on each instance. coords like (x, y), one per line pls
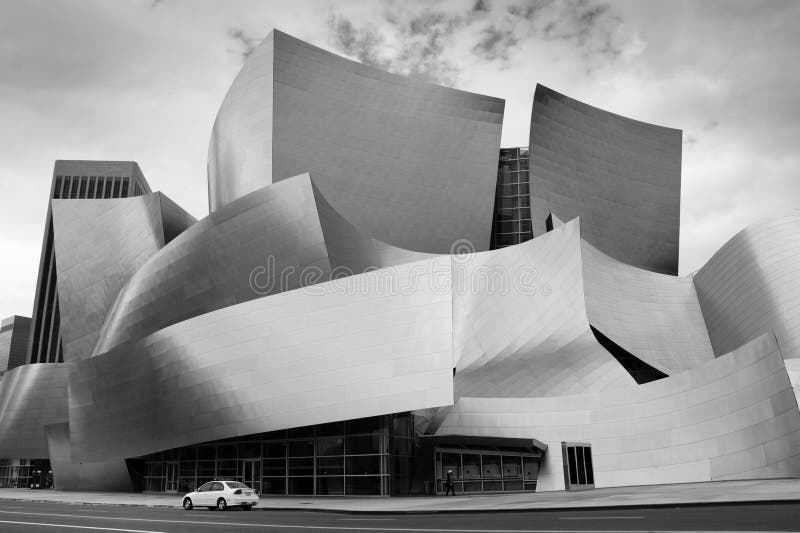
(512, 204)
(72, 180)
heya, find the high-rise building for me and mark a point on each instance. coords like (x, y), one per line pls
(72, 180)
(14, 332)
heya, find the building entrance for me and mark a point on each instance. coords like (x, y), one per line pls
(486, 470)
(365, 456)
(251, 474)
(171, 477)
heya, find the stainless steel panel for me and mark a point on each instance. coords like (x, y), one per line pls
(654, 316)
(411, 163)
(621, 176)
(100, 244)
(335, 351)
(520, 326)
(272, 240)
(734, 417)
(31, 396)
(752, 285)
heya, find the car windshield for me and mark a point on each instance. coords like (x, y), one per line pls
(236, 485)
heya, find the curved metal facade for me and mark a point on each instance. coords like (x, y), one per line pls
(621, 176)
(654, 316)
(338, 350)
(735, 417)
(272, 240)
(128, 231)
(413, 163)
(310, 294)
(520, 324)
(752, 285)
(31, 397)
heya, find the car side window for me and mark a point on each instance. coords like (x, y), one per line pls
(205, 487)
(217, 486)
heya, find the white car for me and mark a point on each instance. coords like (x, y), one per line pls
(220, 495)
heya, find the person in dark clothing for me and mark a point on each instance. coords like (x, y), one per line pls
(451, 488)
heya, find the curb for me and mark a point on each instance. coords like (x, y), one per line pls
(538, 509)
(676, 505)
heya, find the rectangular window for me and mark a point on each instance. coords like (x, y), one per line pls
(301, 466)
(330, 445)
(362, 465)
(363, 444)
(301, 448)
(273, 485)
(330, 466)
(274, 467)
(330, 485)
(578, 469)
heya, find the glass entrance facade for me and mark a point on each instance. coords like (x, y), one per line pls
(486, 470)
(367, 456)
(25, 473)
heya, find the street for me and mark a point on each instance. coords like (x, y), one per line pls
(24, 516)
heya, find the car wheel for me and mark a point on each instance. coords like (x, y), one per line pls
(222, 504)
(246, 507)
(187, 504)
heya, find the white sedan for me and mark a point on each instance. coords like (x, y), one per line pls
(220, 495)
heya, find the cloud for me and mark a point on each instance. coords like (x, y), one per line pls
(420, 43)
(481, 6)
(364, 44)
(247, 44)
(592, 27)
(495, 43)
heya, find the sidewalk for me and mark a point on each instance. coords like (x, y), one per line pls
(719, 492)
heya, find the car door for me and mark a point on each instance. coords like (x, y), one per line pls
(217, 491)
(203, 495)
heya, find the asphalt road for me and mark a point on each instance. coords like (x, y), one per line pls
(30, 517)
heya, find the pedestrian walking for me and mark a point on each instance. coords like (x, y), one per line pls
(451, 488)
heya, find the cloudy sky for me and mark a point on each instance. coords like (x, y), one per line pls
(142, 80)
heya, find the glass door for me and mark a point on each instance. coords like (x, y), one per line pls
(251, 474)
(171, 481)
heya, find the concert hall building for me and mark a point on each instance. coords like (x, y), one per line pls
(380, 293)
